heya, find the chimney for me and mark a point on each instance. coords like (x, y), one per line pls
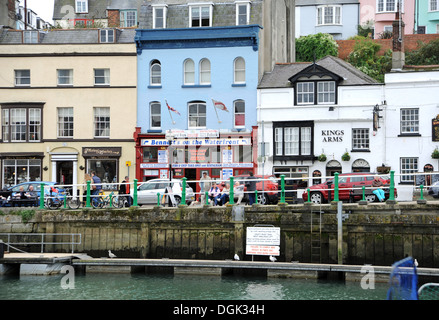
(398, 55)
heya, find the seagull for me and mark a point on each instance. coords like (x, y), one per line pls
(416, 263)
(236, 257)
(272, 259)
(111, 254)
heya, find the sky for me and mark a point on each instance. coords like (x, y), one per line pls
(43, 8)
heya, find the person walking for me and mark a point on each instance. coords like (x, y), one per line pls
(96, 186)
(124, 190)
(377, 188)
(204, 186)
(251, 188)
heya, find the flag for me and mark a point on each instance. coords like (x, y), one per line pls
(172, 109)
(219, 105)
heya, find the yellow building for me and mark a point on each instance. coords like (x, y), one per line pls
(68, 105)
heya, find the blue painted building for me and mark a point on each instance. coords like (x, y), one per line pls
(186, 78)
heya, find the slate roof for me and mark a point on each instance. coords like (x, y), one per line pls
(325, 2)
(66, 36)
(278, 78)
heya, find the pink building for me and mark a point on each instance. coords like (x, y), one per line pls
(381, 13)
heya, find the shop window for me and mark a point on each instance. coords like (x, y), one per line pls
(150, 154)
(17, 171)
(106, 170)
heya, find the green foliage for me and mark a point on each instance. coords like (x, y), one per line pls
(365, 58)
(427, 54)
(320, 45)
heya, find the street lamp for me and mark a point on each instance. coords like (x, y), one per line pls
(170, 137)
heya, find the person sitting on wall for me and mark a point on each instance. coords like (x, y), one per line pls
(225, 194)
(239, 192)
(214, 193)
(377, 188)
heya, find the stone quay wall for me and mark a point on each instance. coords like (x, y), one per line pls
(377, 234)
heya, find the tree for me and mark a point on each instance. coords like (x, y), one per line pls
(315, 46)
(427, 54)
(365, 58)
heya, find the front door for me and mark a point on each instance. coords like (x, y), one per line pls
(64, 172)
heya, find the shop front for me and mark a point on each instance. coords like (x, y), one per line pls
(190, 153)
(20, 167)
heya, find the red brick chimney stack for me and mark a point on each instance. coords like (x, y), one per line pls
(398, 55)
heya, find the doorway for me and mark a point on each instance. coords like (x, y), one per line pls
(191, 175)
(64, 172)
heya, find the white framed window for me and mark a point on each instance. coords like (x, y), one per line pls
(197, 114)
(101, 122)
(155, 73)
(106, 36)
(242, 13)
(305, 92)
(22, 78)
(239, 70)
(189, 72)
(278, 141)
(293, 140)
(409, 166)
(102, 77)
(65, 77)
(128, 18)
(30, 36)
(325, 92)
(200, 15)
(65, 122)
(21, 124)
(205, 71)
(433, 5)
(81, 6)
(239, 113)
(328, 15)
(409, 120)
(360, 138)
(389, 5)
(155, 115)
(159, 16)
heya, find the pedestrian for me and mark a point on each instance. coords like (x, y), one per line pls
(124, 190)
(204, 186)
(225, 194)
(251, 188)
(239, 192)
(96, 184)
(377, 188)
(214, 193)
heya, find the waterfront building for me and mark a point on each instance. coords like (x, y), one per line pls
(311, 114)
(338, 18)
(381, 13)
(68, 105)
(427, 16)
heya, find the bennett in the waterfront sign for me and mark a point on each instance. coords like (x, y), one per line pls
(198, 142)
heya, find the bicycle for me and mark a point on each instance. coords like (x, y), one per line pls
(60, 197)
(99, 201)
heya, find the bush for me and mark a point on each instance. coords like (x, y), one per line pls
(427, 54)
(315, 45)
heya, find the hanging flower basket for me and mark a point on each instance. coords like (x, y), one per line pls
(346, 156)
(322, 157)
(435, 154)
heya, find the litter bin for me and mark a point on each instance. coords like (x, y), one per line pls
(2, 249)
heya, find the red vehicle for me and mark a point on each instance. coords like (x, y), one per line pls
(350, 188)
(267, 183)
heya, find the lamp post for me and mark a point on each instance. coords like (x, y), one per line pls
(170, 137)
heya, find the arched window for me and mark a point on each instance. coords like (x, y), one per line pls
(189, 72)
(197, 114)
(205, 71)
(239, 70)
(155, 73)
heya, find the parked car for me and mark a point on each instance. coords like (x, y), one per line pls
(433, 190)
(147, 191)
(269, 185)
(349, 185)
(7, 192)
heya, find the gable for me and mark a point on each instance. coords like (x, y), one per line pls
(315, 71)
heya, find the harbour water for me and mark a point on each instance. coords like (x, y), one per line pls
(106, 286)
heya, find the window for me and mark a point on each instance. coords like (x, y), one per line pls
(305, 93)
(128, 18)
(200, 16)
(328, 15)
(156, 116)
(106, 35)
(106, 169)
(21, 124)
(155, 73)
(22, 77)
(197, 115)
(409, 121)
(150, 154)
(360, 139)
(293, 140)
(239, 108)
(409, 166)
(434, 5)
(102, 76)
(205, 71)
(65, 122)
(242, 13)
(388, 5)
(326, 92)
(65, 77)
(159, 17)
(189, 72)
(30, 36)
(81, 6)
(102, 122)
(239, 70)
(17, 171)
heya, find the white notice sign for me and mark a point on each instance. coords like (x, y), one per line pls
(263, 241)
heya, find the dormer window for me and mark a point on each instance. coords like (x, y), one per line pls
(200, 15)
(30, 36)
(81, 6)
(106, 36)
